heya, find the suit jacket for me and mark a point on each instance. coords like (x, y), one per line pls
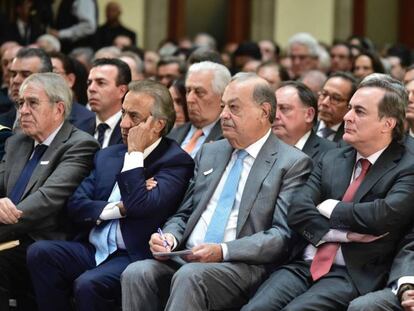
(262, 232)
(89, 126)
(146, 210)
(65, 163)
(81, 117)
(179, 133)
(382, 204)
(316, 146)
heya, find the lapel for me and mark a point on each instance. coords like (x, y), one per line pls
(311, 146)
(182, 132)
(215, 133)
(91, 126)
(262, 165)
(340, 174)
(385, 162)
(61, 137)
(218, 162)
(116, 137)
(21, 154)
(339, 133)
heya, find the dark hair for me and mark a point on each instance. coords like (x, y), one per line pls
(124, 73)
(305, 94)
(402, 52)
(179, 86)
(377, 65)
(45, 62)
(347, 77)
(283, 74)
(394, 102)
(345, 45)
(204, 53)
(167, 60)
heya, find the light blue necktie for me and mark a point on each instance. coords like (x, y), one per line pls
(218, 223)
(103, 237)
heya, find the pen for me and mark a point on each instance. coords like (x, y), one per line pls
(163, 238)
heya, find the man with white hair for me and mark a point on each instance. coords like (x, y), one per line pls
(303, 50)
(205, 85)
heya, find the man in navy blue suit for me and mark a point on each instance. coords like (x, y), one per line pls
(114, 209)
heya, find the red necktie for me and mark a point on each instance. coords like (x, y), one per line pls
(325, 254)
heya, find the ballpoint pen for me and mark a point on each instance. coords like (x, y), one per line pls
(164, 239)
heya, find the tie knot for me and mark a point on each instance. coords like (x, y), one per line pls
(39, 150)
(241, 154)
(365, 164)
(102, 127)
(326, 132)
(198, 133)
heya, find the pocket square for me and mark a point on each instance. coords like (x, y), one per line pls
(208, 172)
(44, 162)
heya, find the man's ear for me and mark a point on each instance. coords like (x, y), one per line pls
(309, 114)
(266, 110)
(159, 125)
(390, 124)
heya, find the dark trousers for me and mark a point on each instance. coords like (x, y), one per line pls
(291, 288)
(61, 270)
(14, 277)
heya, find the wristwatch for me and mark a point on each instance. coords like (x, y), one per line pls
(404, 288)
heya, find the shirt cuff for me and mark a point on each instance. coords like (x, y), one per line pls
(404, 280)
(225, 251)
(334, 235)
(133, 160)
(326, 207)
(111, 211)
(175, 240)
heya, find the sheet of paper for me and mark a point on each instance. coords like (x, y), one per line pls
(173, 254)
(8, 245)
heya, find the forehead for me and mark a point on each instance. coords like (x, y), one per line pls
(410, 86)
(107, 72)
(138, 102)
(173, 67)
(32, 64)
(238, 91)
(287, 95)
(199, 79)
(297, 48)
(338, 85)
(56, 62)
(33, 90)
(368, 97)
(340, 49)
(363, 60)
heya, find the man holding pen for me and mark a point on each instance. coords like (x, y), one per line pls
(114, 208)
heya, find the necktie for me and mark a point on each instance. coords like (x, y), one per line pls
(103, 237)
(326, 132)
(102, 127)
(217, 226)
(193, 141)
(325, 254)
(21, 183)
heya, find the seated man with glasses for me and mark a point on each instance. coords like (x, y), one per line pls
(333, 102)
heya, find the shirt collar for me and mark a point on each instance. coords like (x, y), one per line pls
(253, 149)
(50, 138)
(372, 158)
(302, 141)
(333, 127)
(111, 121)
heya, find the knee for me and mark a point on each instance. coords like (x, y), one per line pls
(84, 284)
(363, 303)
(137, 273)
(190, 274)
(36, 253)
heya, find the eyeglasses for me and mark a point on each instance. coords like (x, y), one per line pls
(333, 98)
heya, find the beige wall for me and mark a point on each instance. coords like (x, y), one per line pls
(314, 16)
(132, 16)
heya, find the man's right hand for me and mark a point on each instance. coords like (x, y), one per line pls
(407, 301)
(156, 244)
(9, 214)
(363, 238)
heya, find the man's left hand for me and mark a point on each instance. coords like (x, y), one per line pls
(408, 300)
(206, 253)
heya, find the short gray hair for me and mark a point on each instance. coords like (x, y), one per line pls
(394, 102)
(163, 107)
(307, 40)
(262, 92)
(55, 87)
(221, 75)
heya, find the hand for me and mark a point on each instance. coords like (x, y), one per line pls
(150, 183)
(363, 238)
(407, 300)
(157, 244)
(122, 208)
(206, 253)
(141, 136)
(9, 214)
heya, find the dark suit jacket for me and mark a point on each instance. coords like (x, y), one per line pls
(89, 126)
(65, 163)
(316, 146)
(179, 133)
(82, 117)
(146, 210)
(262, 231)
(382, 204)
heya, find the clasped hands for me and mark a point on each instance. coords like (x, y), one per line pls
(201, 253)
(9, 214)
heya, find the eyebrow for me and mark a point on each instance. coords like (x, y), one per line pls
(230, 101)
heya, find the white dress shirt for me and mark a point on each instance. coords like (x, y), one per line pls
(200, 229)
(302, 141)
(111, 122)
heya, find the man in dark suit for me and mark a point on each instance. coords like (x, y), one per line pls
(115, 210)
(296, 110)
(205, 85)
(333, 103)
(107, 84)
(354, 221)
(42, 166)
(233, 218)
